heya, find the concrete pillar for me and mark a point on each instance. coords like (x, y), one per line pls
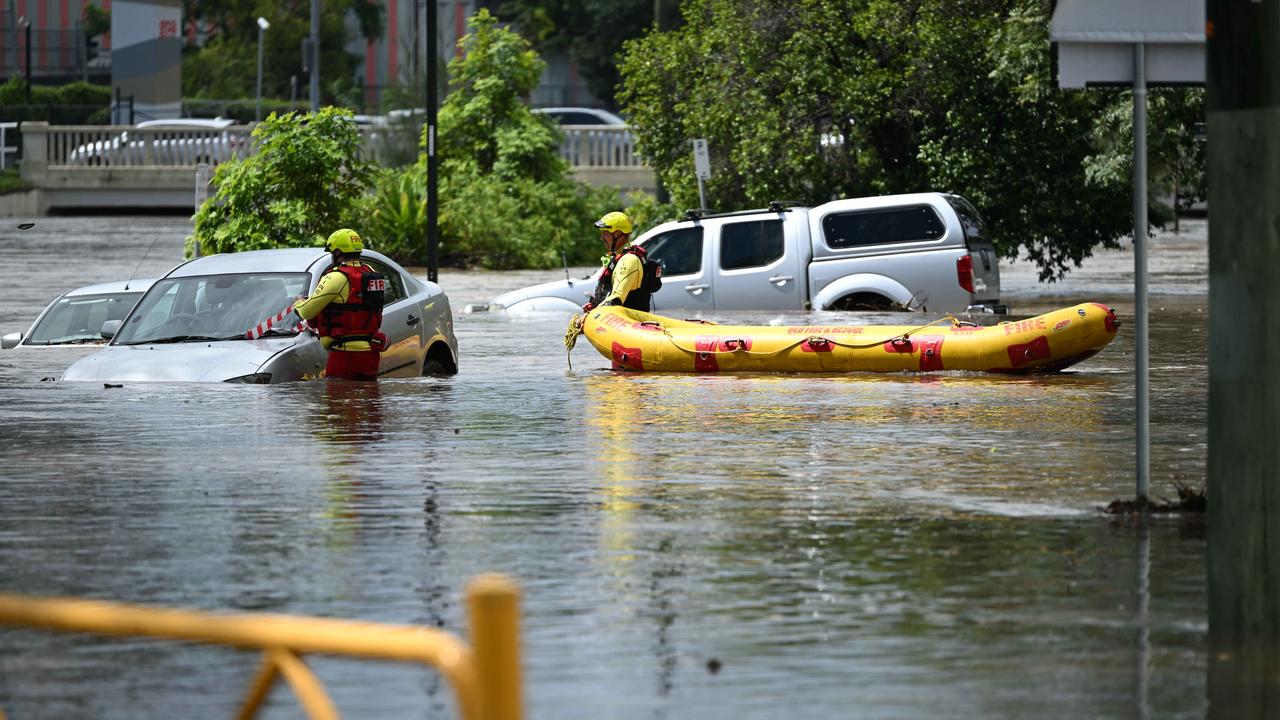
(1244, 343)
(35, 151)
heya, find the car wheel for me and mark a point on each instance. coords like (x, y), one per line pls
(439, 361)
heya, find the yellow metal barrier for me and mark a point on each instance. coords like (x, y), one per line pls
(485, 676)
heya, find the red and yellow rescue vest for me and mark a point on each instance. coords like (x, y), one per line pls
(360, 317)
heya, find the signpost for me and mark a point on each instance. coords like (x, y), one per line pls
(1136, 43)
(204, 174)
(701, 168)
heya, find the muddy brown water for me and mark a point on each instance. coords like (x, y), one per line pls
(762, 546)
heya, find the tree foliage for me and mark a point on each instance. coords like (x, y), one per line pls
(226, 66)
(820, 99)
(506, 198)
(590, 31)
(304, 181)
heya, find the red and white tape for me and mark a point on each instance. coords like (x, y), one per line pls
(271, 322)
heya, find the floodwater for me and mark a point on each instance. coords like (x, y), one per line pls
(766, 546)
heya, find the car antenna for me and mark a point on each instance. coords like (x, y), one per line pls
(144, 257)
(565, 259)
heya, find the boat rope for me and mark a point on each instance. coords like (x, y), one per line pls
(738, 345)
(571, 337)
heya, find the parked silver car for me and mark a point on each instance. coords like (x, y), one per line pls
(222, 318)
(75, 317)
(178, 141)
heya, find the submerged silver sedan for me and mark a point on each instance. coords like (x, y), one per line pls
(75, 317)
(228, 318)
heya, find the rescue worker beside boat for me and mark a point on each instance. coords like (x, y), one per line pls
(347, 304)
(623, 281)
(629, 279)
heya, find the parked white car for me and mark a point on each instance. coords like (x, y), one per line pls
(179, 141)
(75, 317)
(923, 251)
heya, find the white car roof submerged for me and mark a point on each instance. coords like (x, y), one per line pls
(113, 287)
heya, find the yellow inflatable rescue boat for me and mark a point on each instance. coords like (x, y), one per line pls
(635, 340)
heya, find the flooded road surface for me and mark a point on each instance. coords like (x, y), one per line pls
(763, 546)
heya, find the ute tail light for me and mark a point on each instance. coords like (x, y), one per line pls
(964, 271)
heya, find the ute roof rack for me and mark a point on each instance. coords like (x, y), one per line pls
(775, 206)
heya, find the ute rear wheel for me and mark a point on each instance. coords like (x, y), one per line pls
(865, 301)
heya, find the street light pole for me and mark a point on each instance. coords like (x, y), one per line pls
(315, 56)
(262, 28)
(433, 162)
(26, 29)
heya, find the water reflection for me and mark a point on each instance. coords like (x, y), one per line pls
(618, 412)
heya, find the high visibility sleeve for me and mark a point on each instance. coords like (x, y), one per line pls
(333, 287)
(627, 275)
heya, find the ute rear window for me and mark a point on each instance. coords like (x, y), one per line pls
(970, 220)
(877, 227)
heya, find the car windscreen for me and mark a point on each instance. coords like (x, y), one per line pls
(215, 307)
(79, 319)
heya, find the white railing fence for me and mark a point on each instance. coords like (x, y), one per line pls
(590, 146)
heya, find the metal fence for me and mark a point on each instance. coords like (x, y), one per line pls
(41, 52)
(484, 673)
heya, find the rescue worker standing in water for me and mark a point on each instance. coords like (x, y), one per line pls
(348, 306)
(629, 279)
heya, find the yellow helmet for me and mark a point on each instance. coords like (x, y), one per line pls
(615, 222)
(345, 241)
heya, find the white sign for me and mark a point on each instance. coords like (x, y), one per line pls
(701, 159)
(1093, 42)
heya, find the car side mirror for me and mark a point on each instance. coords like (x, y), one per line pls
(11, 340)
(109, 329)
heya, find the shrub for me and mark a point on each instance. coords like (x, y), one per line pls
(305, 181)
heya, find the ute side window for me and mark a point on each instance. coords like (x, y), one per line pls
(751, 244)
(877, 227)
(679, 252)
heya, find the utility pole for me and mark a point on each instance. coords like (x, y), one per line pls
(26, 29)
(433, 162)
(1244, 394)
(315, 56)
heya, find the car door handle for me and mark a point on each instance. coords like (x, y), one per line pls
(696, 288)
(413, 320)
(781, 280)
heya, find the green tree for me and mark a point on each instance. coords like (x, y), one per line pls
(590, 31)
(226, 66)
(506, 199)
(833, 98)
(304, 181)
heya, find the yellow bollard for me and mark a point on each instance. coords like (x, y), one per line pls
(493, 609)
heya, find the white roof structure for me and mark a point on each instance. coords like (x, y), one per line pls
(1093, 41)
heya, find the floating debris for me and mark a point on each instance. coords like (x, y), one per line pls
(1190, 500)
